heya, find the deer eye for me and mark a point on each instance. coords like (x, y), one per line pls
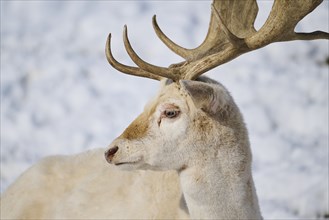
(171, 113)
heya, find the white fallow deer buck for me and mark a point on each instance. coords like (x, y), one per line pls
(192, 131)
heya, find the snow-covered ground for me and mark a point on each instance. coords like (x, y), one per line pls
(60, 96)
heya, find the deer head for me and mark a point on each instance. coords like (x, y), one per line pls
(161, 137)
(191, 112)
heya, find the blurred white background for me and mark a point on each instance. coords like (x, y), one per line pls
(60, 96)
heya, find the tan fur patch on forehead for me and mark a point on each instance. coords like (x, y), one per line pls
(139, 127)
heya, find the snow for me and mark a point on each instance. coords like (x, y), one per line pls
(60, 96)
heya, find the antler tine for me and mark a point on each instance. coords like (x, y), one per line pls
(160, 71)
(181, 51)
(126, 69)
(193, 54)
(281, 23)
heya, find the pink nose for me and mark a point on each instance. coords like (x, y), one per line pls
(109, 154)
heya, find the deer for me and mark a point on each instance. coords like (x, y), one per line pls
(187, 155)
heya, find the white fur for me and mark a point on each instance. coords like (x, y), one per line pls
(85, 186)
(203, 153)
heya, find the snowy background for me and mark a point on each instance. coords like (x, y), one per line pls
(60, 96)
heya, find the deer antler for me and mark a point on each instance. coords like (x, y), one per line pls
(231, 33)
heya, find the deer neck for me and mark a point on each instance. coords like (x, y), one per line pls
(212, 193)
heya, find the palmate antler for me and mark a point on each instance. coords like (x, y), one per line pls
(231, 33)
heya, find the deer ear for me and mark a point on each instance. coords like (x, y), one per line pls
(210, 98)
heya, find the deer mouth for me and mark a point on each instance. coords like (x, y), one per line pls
(128, 162)
(123, 163)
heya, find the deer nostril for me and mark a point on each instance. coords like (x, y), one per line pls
(110, 153)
